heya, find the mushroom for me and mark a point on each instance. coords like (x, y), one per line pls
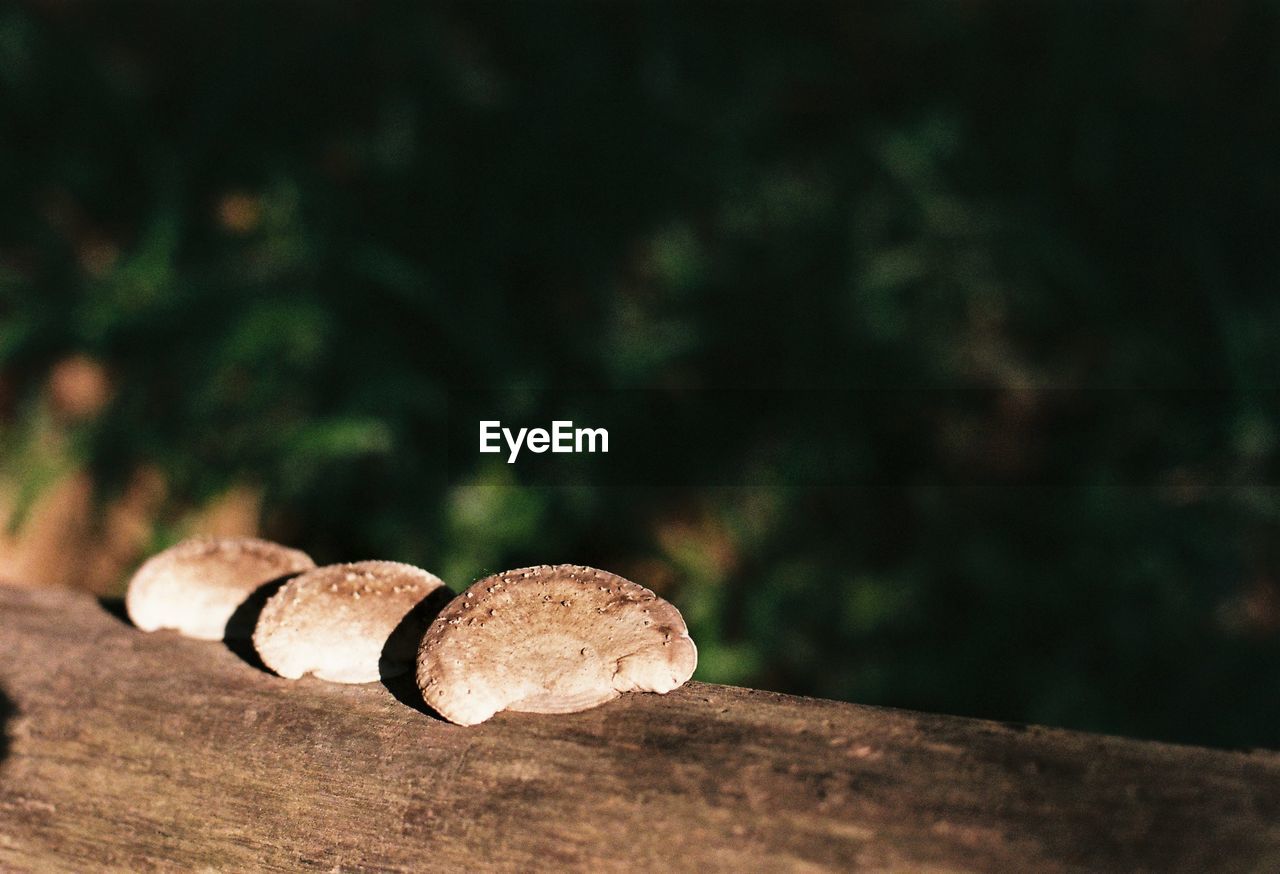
(348, 623)
(197, 585)
(550, 639)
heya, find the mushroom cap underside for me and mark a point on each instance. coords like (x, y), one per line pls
(196, 585)
(348, 623)
(551, 639)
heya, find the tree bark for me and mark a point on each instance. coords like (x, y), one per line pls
(127, 751)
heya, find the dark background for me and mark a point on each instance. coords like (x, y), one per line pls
(270, 246)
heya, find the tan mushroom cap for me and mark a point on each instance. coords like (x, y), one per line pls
(551, 639)
(347, 623)
(196, 585)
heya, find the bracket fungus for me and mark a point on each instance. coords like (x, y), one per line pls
(551, 639)
(348, 623)
(197, 585)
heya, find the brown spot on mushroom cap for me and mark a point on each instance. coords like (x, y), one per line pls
(348, 623)
(196, 585)
(551, 639)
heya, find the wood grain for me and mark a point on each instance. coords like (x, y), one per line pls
(126, 751)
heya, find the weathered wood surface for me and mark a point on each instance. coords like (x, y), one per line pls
(132, 752)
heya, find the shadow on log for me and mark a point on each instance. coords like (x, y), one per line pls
(115, 607)
(398, 663)
(238, 636)
(8, 710)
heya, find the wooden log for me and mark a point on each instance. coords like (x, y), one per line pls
(128, 751)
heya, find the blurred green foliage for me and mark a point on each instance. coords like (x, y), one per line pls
(290, 230)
